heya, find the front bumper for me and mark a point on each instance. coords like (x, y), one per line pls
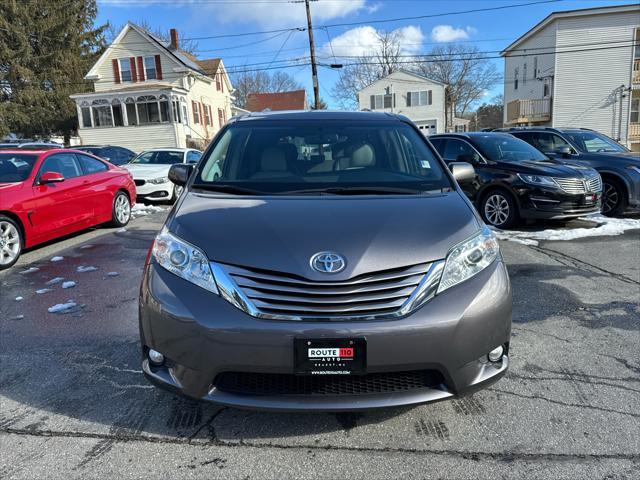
(553, 204)
(203, 336)
(150, 191)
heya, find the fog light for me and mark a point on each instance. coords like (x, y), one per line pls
(155, 357)
(495, 355)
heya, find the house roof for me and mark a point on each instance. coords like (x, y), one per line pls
(407, 72)
(565, 14)
(293, 100)
(209, 66)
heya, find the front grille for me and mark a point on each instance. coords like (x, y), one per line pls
(578, 185)
(278, 293)
(139, 183)
(246, 383)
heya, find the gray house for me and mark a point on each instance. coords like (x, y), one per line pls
(419, 98)
(578, 68)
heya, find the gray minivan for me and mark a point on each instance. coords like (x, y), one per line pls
(323, 261)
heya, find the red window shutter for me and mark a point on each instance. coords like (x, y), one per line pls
(158, 68)
(141, 68)
(194, 106)
(116, 70)
(134, 74)
(220, 117)
(201, 112)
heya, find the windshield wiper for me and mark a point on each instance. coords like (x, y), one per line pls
(363, 191)
(225, 188)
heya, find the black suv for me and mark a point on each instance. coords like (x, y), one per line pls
(514, 180)
(113, 154)
(619, 168)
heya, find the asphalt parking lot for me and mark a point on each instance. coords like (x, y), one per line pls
(74, 404)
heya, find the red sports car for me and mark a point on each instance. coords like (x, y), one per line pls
(49, 194)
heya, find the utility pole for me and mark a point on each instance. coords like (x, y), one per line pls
(312, 50)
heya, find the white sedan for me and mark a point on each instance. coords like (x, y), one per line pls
(150, 172)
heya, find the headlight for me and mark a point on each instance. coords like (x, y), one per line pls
(469, 258)
(539, 180)
(183, 260)
(158, 181)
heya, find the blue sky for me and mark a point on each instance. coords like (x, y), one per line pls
(489, 31)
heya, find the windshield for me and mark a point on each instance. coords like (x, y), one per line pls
(317, 157)
(16, 167)
(159, 158)
(506, 148)
(594, 142)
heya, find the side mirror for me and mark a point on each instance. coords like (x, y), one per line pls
(564, 150)
(51, 177)
(463, 172)
(179, 173)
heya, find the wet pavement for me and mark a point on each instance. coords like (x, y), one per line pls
(74, 404)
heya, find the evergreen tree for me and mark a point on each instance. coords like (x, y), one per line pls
(46, 48)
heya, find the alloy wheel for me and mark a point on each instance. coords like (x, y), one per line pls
(610, 198)
(496, 209)
(123, 209)
(9, 243)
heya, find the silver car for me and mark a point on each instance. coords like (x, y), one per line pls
(323, 261)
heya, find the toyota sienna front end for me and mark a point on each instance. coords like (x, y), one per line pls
(323, 261)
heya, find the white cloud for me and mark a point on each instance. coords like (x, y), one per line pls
(448, 33)
(364, 40)
(285, 14)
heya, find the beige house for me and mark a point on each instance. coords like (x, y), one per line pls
(149, 93)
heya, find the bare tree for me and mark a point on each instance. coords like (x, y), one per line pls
(247, 81)
(382, 60)
(467, 74)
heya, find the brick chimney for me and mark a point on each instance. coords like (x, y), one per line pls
(173, 33)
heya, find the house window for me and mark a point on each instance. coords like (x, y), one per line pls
(196, 112)
(148, 110)
(535, 68)
(85, 112)
(221, 117)
(125, 69)
(150, 68)
(381, 101)
(421, 98)
(185, 114)
(546, 88)
(132, 116)
(102, 113)
(524, 74)
(218, 82)
(461, 128)
(116, 109)
(515, 79)
(164, 108)
(635, 110)
(175, 107)
(207, 115)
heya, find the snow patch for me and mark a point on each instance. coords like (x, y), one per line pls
(53, 281)
(61, 307)
(122, 230)
(18, 317)
(57, 259)
(83, 269)
(69, 284)
(140, 210)
(19, 299)
(43, 290)
(605, 227)
(30, 270)
(84, 247)
(112, 274)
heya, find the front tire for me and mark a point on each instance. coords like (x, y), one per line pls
(10, 242)
(498, 209)
(121, 213)
(614, 197)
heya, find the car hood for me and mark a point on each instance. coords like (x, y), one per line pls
(551, 168)
(281, 234)
(147, 171)
(632, 158)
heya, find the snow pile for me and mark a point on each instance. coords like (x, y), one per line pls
(605, 226)
(122, 230)
(19, 299)
(140, 210)
(53, 281)
(30, 270)
(18, 317)
(57, 259)
(83, 269)
(69, 284)
(43, 290)
(61, 307)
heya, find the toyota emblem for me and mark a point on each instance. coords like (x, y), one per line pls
(328, 262)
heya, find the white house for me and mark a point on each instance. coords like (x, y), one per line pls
(578, 68)
(149, 93)
(418, 98)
